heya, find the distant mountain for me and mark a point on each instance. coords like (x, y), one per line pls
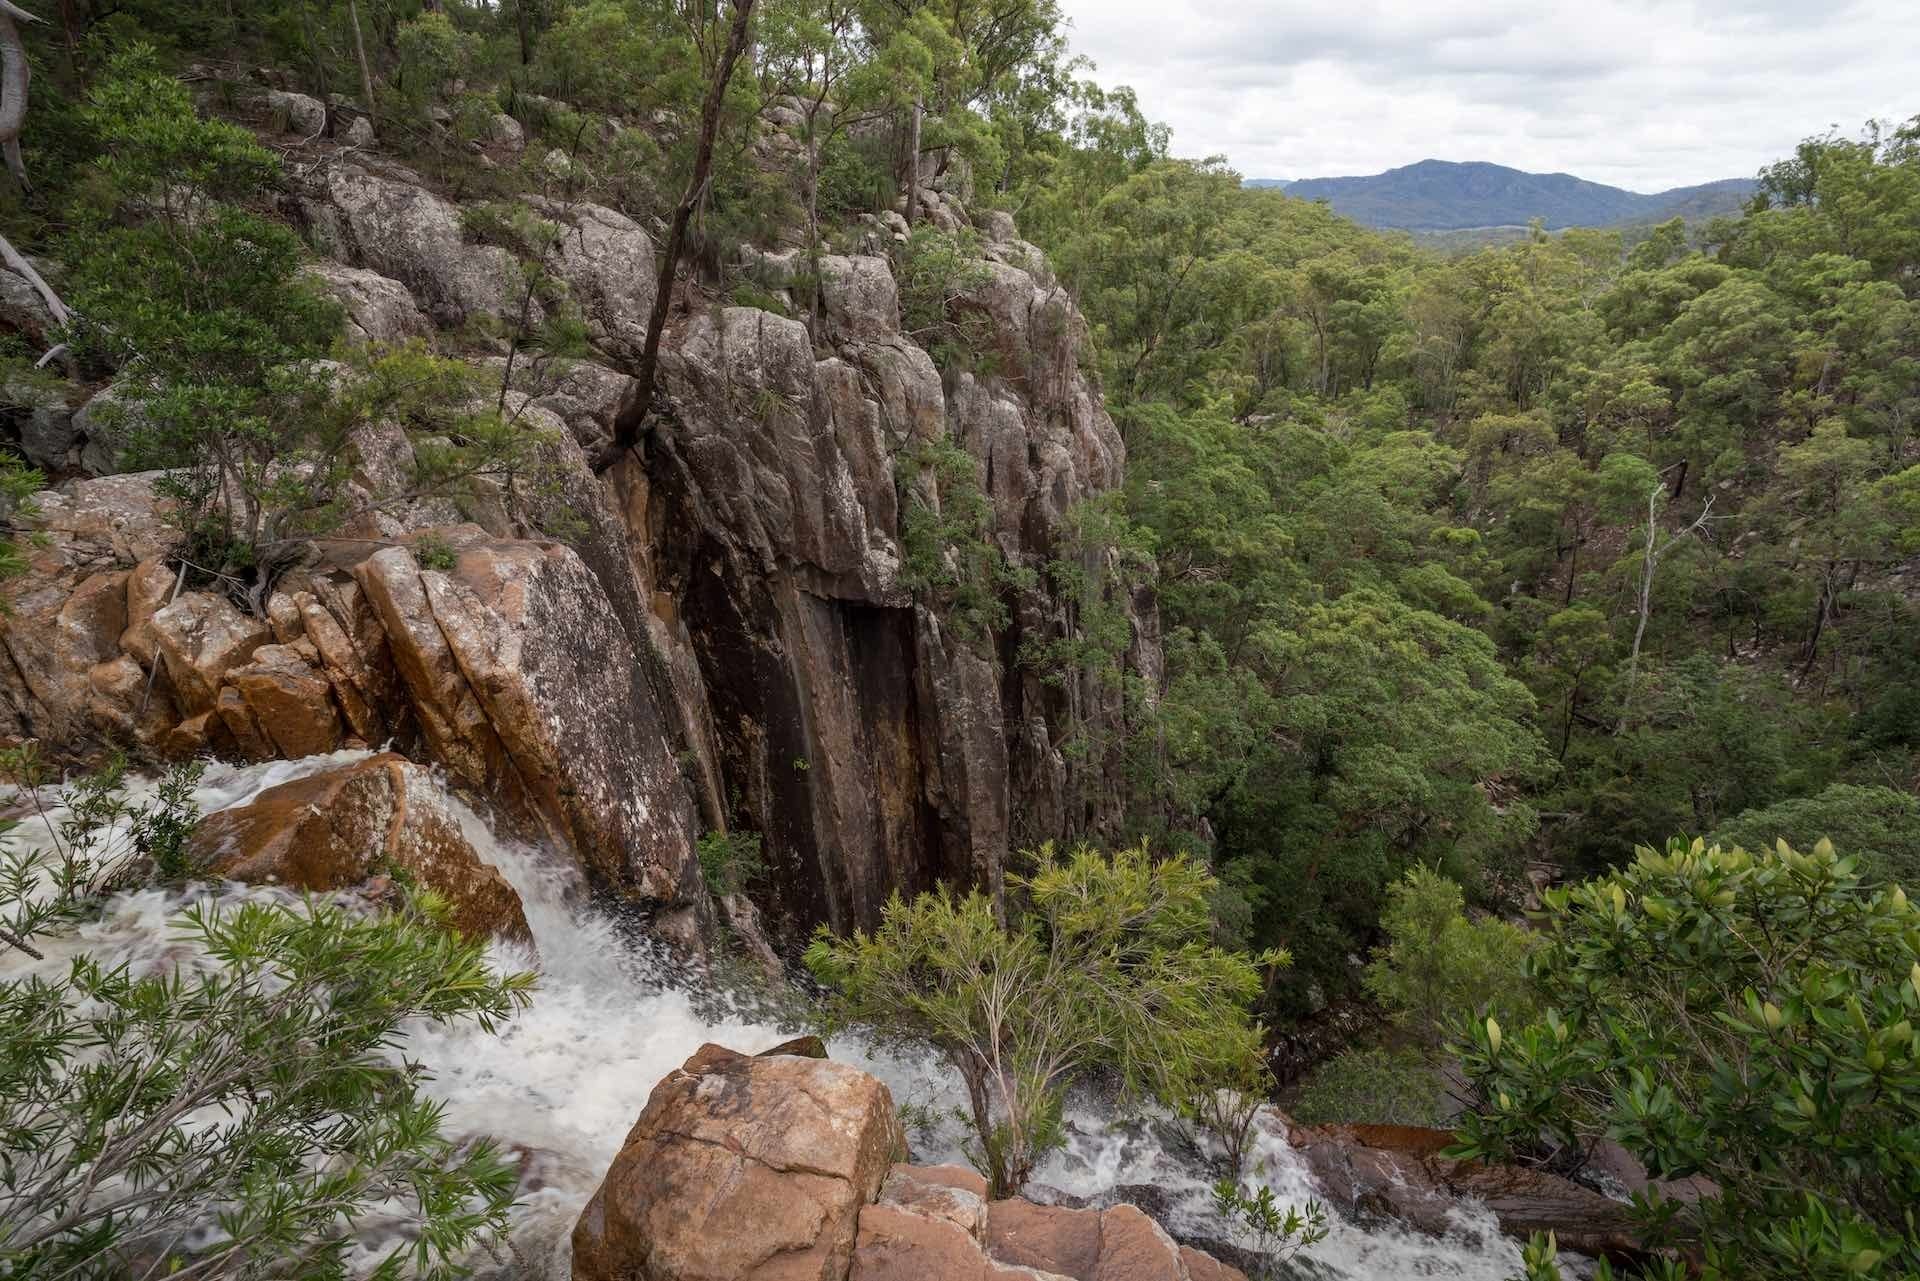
(1443, 195)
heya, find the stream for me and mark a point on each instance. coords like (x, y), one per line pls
(565, 1079)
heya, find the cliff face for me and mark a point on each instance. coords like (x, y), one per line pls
(728, 643)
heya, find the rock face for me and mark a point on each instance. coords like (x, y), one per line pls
(779, 1167)
(730, 641)
(742, 1169)
(1397, 1172)
(341, 828)
(875, 746)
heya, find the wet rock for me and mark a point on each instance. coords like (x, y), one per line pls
(742, 1169)
(379, 310)
(527, 688)
(1397, 1172)
(1116, 1244)
(339, 828)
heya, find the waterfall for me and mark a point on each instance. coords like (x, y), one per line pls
(561, 1084)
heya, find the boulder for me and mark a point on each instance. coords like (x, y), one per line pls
(742, 1169)
(1397, 1172)
(201, 637)
(527, 688)
(862, 301)
(290, 698)
(506, 131)
(344, 826)
(304, 116)
(380, 311)
(1116, 1244)
(607, 260)
(104, 425)
(400, 229)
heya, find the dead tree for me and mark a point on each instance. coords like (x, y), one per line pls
(14, 77)
(1650, 558)
(631, 418)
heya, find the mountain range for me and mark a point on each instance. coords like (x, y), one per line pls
(1445, 195)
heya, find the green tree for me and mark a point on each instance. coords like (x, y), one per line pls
(1749, 1017)
(1103, 965)
(1879, 826)
(1437, 965)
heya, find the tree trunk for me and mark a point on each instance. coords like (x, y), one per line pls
(913, 162)
(813, 221)
(525, 31)
(632, 415)
(360, 53)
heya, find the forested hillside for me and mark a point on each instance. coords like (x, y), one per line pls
(1442, 195)
(824, 471)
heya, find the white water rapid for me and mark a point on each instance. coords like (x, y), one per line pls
(565, 1079)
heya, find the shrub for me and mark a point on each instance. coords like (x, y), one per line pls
(1437, 964)
(1750, 1017)
(240, 1115)
(1373, 1086)
(730, 861)
(1106, 968)
(948, 558)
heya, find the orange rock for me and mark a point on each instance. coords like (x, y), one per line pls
(201, 637)
(742, 1169)
(337, 829)
(291, 700)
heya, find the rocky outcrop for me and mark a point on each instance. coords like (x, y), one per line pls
(742, 1169)
(343, 827)
(379, 311)
(387, 221)
(875, 745)
(728, 639)
(1397, 1172)
(780, 1167)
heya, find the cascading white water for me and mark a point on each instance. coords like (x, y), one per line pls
(565, 1079)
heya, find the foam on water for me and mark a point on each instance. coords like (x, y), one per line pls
(561, 1084)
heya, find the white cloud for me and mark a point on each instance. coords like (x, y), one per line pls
(1645, 94)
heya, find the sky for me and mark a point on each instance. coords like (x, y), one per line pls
(1642, 94)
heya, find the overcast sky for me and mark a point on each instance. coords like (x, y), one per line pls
(1643, 94)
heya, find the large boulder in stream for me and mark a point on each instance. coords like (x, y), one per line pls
(780, 1168)
(346, 826)
(742, 1169)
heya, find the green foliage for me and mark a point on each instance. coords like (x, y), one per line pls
(1745, 1016)
(948, 557)
(435, 552)
(1877, 825)
(239, 1114)
(1276, 1235)
(1103, 966)
(98, 840)
(1373, 1087)
(200, 303)
(935, 271)
(241, 1119)
(1437, 965)
(730, 861)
